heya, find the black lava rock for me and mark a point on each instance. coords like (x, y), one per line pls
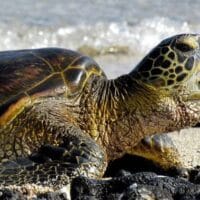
(129, 178)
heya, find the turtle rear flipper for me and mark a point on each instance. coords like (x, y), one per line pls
(56, 165)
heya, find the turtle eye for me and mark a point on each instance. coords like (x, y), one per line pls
(184, 47)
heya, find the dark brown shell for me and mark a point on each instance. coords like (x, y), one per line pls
(42, 72)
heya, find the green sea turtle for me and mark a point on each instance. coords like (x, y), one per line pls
(61, 117)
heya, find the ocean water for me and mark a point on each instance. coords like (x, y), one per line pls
(117, 33)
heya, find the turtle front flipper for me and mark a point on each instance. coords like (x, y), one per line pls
(56, 165)
(160, 149)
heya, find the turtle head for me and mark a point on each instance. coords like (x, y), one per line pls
(174, 63)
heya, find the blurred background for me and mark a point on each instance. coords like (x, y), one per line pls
(116, 33)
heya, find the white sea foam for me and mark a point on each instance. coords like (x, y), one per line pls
(138, 38)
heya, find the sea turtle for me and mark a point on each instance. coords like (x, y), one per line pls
(60, 116)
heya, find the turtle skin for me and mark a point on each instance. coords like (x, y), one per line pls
(29, 77)
(157, 68)
(60, 117)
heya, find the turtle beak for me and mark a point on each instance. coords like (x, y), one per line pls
(194, 85)
(195, 90)
(198, 67)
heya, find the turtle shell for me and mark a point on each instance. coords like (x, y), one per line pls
(26, 75)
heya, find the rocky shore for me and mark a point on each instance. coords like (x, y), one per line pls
(143, 182)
